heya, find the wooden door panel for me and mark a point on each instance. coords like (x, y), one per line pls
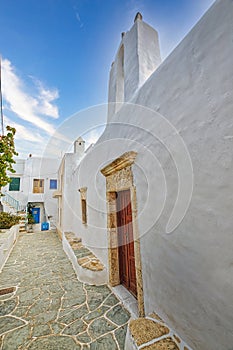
(133, 281)
(126, 242)
(123, 267)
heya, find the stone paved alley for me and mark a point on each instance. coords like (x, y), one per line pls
(50, 308)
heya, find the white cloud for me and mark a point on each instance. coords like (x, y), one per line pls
(78, 18)
(45, 99)
(25, 105)
(93, 136)
(23, 133)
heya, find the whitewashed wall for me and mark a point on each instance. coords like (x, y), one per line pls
(187, 274)
(8, 238)
(36, 168)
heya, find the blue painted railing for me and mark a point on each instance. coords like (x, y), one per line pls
(14, 203)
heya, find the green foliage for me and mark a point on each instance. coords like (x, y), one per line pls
(7, 220)
(7, 152)
(31, 220)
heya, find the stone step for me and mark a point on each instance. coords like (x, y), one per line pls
(152, 333)
(87, 266)
(85, 257)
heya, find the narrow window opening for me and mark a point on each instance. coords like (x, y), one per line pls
(84, 211)
(83, 194)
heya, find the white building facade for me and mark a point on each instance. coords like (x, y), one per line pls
(31, 189)
(153, 198)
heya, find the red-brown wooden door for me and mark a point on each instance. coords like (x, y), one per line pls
(126, 242)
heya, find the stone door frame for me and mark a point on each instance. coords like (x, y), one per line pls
(119, 177)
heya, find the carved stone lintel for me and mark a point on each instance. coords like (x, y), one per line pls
(123, 161)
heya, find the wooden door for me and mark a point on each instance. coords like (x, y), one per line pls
(126, 242)
(36, 215)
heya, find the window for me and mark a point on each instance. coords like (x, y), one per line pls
(53, 184)
(84, 211)
(14, 184)
(38, 186)
(83, 193)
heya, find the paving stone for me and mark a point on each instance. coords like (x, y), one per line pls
(80, 253)
(27, 297)
(111, 300)
(41, 329)
(105, 343)
(73, 315)
(54, 342)
(45, 317)
(63, 312)
(8, 323)
(39, 307)
(20, 311)
(84, 338)
(55, 288)
(44, 286)
(14, 339)
(71, 293)
(57, 327)
(95, 314)
(120, 335)
(75, 328)
(71, 285)
(78, 300)
(96, 295)
(103, 290)
(118, 315)
(45, 295)
(94, 301)
(6, 307)
(99, 327)
(55, 304)
(6, 296)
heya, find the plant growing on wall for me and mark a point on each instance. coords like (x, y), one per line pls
(7, 152)
(30, 218)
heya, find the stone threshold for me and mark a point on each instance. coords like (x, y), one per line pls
(127, 299)
(152, 333)
(89, 269)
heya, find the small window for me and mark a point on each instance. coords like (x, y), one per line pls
(14, 184)
(83, 194)
(38, 186)
(53, 184)
(84, 211)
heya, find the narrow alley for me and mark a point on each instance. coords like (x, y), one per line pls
(48, 308)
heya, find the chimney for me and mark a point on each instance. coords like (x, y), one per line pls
(79, 146)
(138, 16)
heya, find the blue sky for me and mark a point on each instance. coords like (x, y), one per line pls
(56, 57)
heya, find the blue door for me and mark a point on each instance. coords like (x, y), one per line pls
(36, 215)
